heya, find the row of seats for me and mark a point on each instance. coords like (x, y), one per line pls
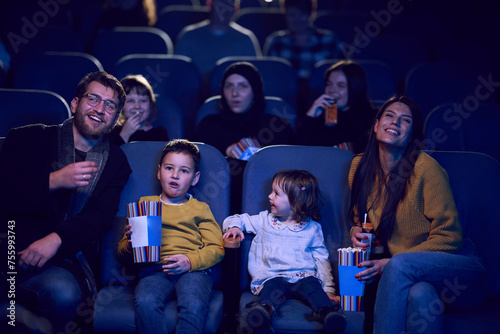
(450, 126)
(428, 83)
(474, 179)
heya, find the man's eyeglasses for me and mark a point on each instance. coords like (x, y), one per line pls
(94, 100)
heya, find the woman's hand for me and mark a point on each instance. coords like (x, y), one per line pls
(375, 268)
(333, 297)
(321, 103)
(177, 264)
(131, 125)
(233, 233)
(357, 238)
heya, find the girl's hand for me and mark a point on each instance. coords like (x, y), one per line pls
(333, 297)
(177, 264)
(131, 125)
(375, 268)
(357, 238)
(233, 233)
(321, 102)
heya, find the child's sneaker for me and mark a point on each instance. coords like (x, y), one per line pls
(259, 318)
(334, 321)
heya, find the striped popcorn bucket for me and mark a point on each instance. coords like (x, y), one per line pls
(351, 290)
(146, 238)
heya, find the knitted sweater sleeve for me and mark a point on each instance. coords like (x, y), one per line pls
(438, 205)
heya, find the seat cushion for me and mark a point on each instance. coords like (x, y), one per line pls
(114, 311)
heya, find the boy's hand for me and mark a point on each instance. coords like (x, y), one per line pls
(177, 264)
(233, 233)
(333, 297)
(128, 233)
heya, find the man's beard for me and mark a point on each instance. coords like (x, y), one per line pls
(88, 131)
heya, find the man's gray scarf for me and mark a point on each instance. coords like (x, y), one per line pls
(79, 197)
(98, 154)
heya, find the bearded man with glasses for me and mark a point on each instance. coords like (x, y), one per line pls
(60, 190)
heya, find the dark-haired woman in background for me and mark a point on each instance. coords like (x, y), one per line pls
(241, 115)
(406, 196)
(345, 82)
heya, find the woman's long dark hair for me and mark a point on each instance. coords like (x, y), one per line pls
(356, 83)
(369, 170)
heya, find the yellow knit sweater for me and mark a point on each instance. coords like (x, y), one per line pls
(427, 218)
(189, 229)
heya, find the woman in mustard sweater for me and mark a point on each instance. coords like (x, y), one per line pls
(427, 268)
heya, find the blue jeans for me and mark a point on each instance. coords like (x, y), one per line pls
(417, 288)
(53, 293)
(156, 288)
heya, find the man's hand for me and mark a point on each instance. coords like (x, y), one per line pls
(73, 175)
(39, 252)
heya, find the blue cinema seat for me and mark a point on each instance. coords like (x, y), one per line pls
(474, 179)
(114, 307)
(458, 127)
(331, 167)
(59, 72)
(29, 106)
(112, 44)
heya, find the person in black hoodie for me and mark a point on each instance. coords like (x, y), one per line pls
(241, 114)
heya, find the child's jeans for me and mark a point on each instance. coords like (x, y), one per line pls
(155, 288)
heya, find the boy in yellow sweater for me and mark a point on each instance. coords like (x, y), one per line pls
(191, 244)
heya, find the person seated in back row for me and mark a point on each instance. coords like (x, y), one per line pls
(217, 37)
(241, 116)
(302, 44)
(135, 122)
(345, 82)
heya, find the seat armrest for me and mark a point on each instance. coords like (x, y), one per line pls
(232, 242)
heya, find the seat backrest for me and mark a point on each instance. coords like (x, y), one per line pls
(59, 72)
(475, 180)
(278, 75)
(400, 52)
(455, 127)
(172, 19)
(274, 106)
(329, 165)
(253, 18)
(380, 80)
(170, 116)
(143, 157)
(28, 106)
(113, 44)
(170, 75)
(432, 84)
(342, 23)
